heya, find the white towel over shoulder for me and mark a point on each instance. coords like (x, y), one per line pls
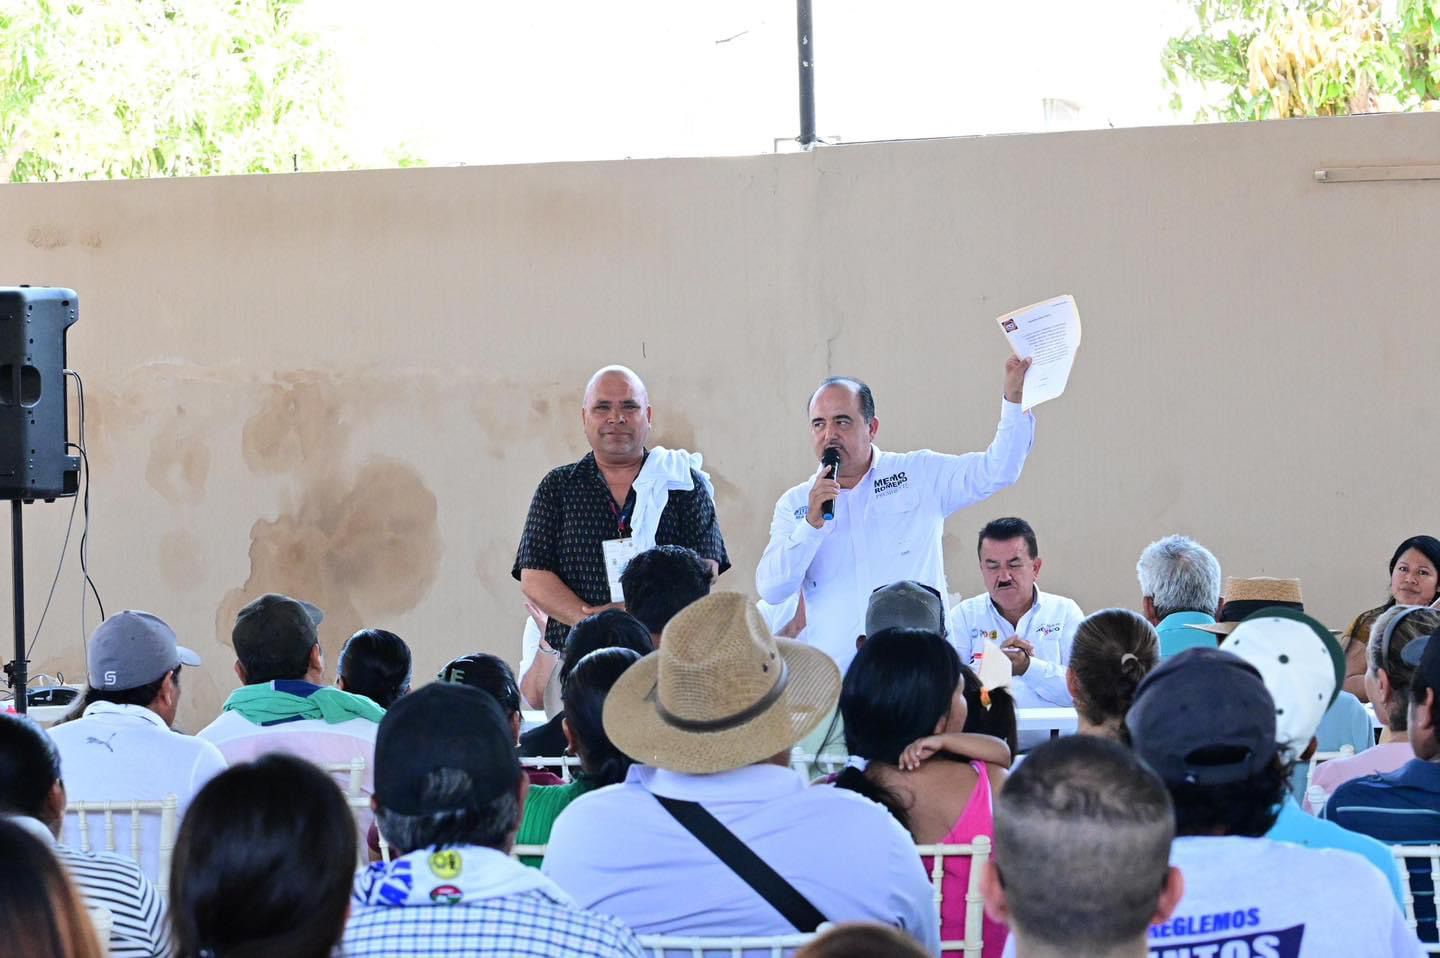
(664, 470)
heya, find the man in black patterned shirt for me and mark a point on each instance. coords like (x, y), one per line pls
(588, 517)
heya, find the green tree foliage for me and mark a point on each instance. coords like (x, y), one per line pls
(133, 88)
(1258, 59)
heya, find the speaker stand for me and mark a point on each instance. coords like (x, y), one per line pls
(16, 669)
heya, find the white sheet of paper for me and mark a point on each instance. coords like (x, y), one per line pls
(1048, 334)
(995, 671)
(618, 553)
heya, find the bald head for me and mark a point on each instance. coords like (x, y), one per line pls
(621, 373)
(616, 415)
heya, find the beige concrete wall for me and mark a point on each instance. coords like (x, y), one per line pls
(347, 385)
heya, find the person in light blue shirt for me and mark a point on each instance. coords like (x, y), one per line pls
(1180, 588)
(1303, 668)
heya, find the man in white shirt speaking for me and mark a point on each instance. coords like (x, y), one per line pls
(1034, 629)
(887, 510)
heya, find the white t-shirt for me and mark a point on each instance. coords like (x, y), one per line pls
(1257, 898)
(886, 528)
(241, 740)
(1049, 626)
(115, 752)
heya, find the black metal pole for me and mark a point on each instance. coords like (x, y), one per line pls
(19, 676)
(805, 41)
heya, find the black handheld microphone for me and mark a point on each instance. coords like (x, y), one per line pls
(831, 458)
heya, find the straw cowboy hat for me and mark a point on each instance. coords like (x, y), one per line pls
(721, 693)
(1242, 597)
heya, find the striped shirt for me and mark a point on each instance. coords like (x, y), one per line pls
(141, 927)
(1398, 808)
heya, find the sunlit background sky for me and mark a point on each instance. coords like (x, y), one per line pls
(490, 82)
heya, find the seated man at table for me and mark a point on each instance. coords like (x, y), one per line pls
(1034, 629)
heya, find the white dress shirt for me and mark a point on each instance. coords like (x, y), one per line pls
(886, 528)
(115, 752)
(1049, 626)
(619, 852)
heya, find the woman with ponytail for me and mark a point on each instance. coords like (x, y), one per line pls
(1114, 649)
(934, 746)
(601, 763)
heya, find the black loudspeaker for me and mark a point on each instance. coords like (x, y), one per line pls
(34, 459)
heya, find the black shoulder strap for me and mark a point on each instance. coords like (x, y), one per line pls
(738, 857)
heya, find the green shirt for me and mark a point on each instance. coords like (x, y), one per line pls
(543, 805)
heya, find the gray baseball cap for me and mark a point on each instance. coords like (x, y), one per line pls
(906, 604)
(131, 649)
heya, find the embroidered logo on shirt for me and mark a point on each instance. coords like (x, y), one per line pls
(92, 740)
(889, 485)
(803, 511)
(992, 635)
(1050, 629)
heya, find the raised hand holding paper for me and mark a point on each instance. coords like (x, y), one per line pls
(1048, 334)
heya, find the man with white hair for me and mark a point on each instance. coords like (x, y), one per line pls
(1179, 587)
(589, 518)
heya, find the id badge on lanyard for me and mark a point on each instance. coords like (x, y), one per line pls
(619, 552)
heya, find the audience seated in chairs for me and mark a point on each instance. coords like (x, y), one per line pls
(120, 747)
(1082, 854)
(659, 582)
(376, 664)
(1414, 580)
(284, 705)
(601, 763)
(41, 916)
(906, 711)
(714, 714)
(1302, 667)
(1114, 649)
(1403, 807)
(32, 796)
(1388, 680)
(612, 628)
(1226, 779)
(264, 864)
(450, 795)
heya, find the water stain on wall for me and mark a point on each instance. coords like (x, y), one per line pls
(181, 560)
(300, 426)
(179, 461)
(358, 542)
(47, 237)
(359, 549)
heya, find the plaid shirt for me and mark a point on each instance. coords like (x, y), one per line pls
(538, 922)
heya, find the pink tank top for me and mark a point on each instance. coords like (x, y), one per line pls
(978, 818)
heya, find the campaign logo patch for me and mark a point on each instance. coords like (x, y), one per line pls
(1050, 629)
(446, 895)
(992, 635)
(803, 511)
(446, 865)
